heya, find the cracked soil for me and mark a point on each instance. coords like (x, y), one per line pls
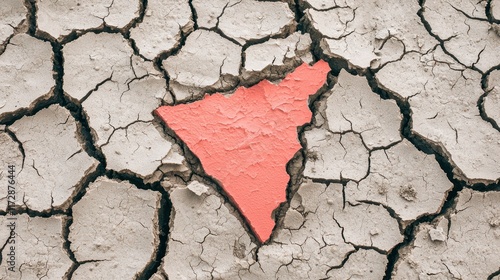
(396, 175)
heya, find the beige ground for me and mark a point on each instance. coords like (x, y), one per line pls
(398, 177)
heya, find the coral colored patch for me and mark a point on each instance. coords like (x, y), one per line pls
(245, 140)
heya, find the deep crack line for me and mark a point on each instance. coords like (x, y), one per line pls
(422, 145)
(497, 273)
(481, 99)
(292, 169)
(68, 220)
(163, 231)
(196, 168)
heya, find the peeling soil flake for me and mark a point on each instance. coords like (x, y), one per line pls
(245, 140)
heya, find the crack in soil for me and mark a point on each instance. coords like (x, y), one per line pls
(428, 148)
(480, 100)
(163, 226)
(195, 166)
(294, 168)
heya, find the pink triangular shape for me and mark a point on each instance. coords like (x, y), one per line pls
(245, 140)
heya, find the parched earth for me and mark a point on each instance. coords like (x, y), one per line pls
(398, 176)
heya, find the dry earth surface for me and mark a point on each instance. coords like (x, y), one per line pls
(397, 178)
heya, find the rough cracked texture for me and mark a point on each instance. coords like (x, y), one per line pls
(495, 9)
(259, 124)
(26, 77)
(192, 68)
(312, 241)
(397, 176)
(202, 217)
(363, 264)
(59, 18)
(463, 245)
(307, 247)
(93, 59)
(168, 20)
(116, 106)
(353, 106)
(12, 14)
(192, 71)
(422, 190)
(39, 246)
(491, 101)
(209, 12)
(129, 94)
(335, 156)
(452, 23)
(118, 94)
(249, 20)
(364, 33)
(51, 171)
(139, 148)
(11, 155)
(443, 96)
(273, 58)
(125, 234)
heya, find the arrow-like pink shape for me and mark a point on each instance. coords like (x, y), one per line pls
(245, 140)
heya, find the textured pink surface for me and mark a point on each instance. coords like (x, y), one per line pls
(245, 140)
